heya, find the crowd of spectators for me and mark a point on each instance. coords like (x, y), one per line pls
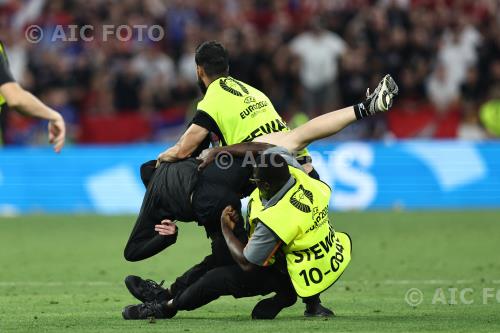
(308, 56)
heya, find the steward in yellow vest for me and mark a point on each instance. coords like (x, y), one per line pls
(294, 208)
(233, 110)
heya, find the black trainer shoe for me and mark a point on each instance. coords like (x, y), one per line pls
(317, 310)
(146, 290)
(148, 310)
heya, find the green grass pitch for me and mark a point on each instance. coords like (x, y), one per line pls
(65, 273)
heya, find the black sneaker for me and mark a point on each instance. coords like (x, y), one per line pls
(148, 310)
(317, 310)
(146, 290)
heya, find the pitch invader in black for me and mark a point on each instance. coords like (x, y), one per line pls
(177, 191)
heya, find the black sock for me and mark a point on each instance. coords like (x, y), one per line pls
(361, 110)
(311, 300)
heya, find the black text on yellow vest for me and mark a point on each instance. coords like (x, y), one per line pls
(239, 110)
(316, 255)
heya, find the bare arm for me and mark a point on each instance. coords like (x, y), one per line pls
(228, 221)
(186, 145)
(24, 102)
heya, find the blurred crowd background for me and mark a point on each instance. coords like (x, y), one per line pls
(308, 56)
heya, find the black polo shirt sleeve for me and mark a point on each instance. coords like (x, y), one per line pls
(203, 119)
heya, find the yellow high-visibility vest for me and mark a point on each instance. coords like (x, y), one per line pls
(241, 112)
(316, 254)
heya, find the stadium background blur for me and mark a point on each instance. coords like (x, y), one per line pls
(445, 55)
(62, 222)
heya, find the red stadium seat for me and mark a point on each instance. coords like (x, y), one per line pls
(118, 128)
(406, 121)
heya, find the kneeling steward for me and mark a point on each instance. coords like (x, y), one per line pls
(294, 207)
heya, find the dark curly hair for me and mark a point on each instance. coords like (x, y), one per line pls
(213, 58)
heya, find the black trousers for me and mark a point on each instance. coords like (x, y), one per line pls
(214, 191)
(232, 280)
(144, 242)
(219, 257)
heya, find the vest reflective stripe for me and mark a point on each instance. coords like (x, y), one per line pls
(241, 112)
(316, 254)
